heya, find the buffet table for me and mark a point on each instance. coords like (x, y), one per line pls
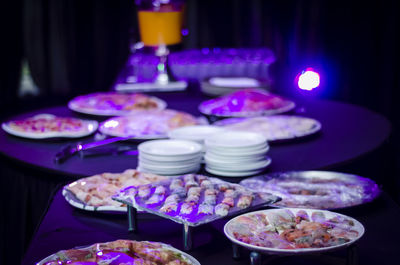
(65, 227)
(346, 135)
(29, 174)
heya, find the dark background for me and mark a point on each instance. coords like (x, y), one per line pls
(75, 47)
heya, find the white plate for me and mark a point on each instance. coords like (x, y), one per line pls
(233, 173)
(230, 105)
(170, 172)
(196, 133)
(232, 160)
(189, 259)
(239, 167)
(153, 124)
(186, 161)
(88, 104)
(229, 150)
(89, 127)
(237, 154)
(268, 250)
(170, 148)
(171, 166)
(274, 128)
(235, 140)
(166, 159)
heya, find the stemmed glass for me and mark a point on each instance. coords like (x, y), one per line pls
(160, 23)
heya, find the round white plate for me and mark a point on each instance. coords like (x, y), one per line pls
(196, 133)
(153, 124)
(88, 104)
(170, 148)
(233, 173)
(89, 127)
(229, 150)
(189, 259)
(274, 128)
(167, 159)
(239, 167)
(186, 161)
(172, 166)
(237, 154)
(227, 105)
(235, 140)
(232, 160)
(169, 172)
(268, 250)
(326, 189)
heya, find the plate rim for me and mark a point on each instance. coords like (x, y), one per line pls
(298, 250)
(7, 128)
(197, 146)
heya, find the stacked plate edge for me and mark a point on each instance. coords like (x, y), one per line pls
(236, 154)
(169, 157)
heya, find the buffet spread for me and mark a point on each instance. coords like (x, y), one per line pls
(168, 183)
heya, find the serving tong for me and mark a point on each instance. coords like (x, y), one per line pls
(91, 148)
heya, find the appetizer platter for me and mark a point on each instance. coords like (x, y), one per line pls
(193, 199)
(315, 189)
(121, 252)
(94, 193)
(45, 126)
(274, 128)
(293, 231)
(246, 103)
(115, 104)
(147, 124)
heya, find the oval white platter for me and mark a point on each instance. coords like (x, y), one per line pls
(270, 250)
(89, 127)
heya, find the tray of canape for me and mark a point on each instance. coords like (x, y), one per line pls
(193, 199)
(94, 193)
(293, 231)
(315, 189)
(121, 252)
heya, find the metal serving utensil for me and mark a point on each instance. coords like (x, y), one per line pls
(70, 150)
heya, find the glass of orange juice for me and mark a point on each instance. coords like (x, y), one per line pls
(160, 24)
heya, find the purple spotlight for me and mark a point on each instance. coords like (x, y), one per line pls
(308, 79)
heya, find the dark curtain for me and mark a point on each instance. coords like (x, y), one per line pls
(75, 47)
(10, 54)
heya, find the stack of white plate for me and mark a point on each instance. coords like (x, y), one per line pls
(169, 157)
(197, 133)
(236, 154)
